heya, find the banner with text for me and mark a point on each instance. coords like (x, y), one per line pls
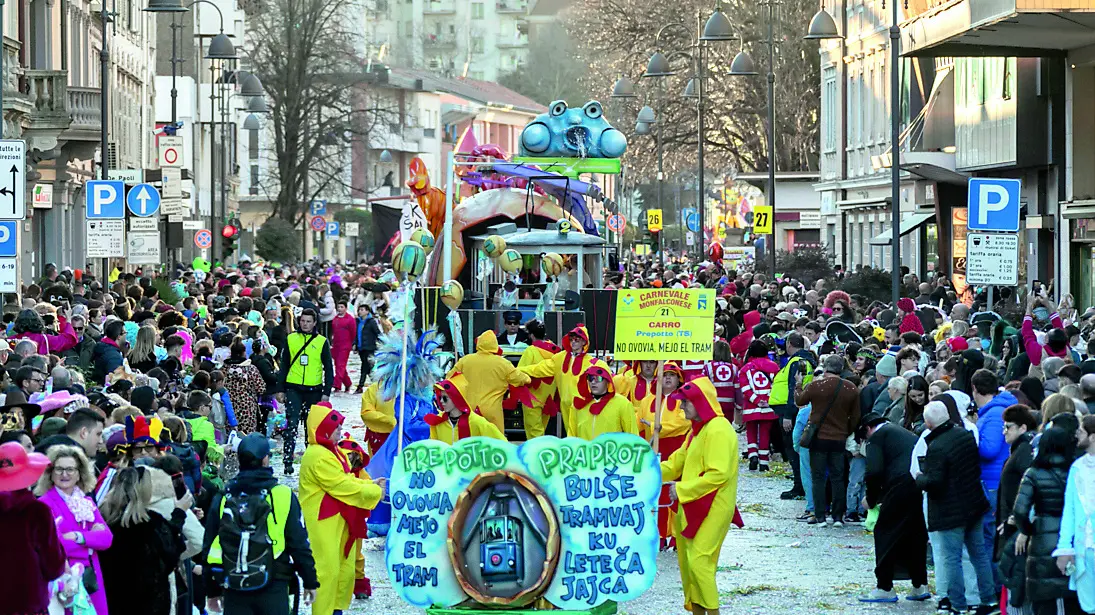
(665, 324)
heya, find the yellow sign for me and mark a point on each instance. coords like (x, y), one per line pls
(660, 324)
(642, 249)
(653, 219)
(762, 220)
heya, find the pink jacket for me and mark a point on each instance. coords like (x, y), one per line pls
(1030, 341)
(343, 332)
(97, 537)
(51, 344)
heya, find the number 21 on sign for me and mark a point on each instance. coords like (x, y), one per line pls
(762, 220)
(653, 219)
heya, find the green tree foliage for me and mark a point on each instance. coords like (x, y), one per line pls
(875, 284)
(278, 240)
(807, 265)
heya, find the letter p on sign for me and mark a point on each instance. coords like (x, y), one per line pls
(994, 204)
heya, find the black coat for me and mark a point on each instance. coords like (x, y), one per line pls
(1022, 455)
(951, 476)
(139, 562)
(1043, 490)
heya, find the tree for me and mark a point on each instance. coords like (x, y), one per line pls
(278, 240)
(874, 284)
(553, 71)
(308, 54)
(616, 37)
(807, 265)
(364, 220)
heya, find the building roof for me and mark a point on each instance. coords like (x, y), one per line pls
(482, 92)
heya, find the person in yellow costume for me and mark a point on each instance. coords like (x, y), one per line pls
(566, 369)
(358, 458)
(378, 416)
(455, 420)
(539, 351)
(672, 431)
(638, 383)
(333, 501)
(706, 473)
(598, 409)
(490, 376)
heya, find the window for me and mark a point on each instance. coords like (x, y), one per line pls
(477, 44)
(829, 109)
(869, 109)
(253, 145)
(477, 10)
(253, 188)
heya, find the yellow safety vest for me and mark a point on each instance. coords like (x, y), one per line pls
(281, 499)
(780, 387)
(310, 375)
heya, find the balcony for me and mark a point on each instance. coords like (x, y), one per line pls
(435, 7)
(439, 41)
(511, 7)
(520, 41)
(84, 109)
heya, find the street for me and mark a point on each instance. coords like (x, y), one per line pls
(773, 565)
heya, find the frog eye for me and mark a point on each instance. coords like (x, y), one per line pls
(593, 110)
(558, 108)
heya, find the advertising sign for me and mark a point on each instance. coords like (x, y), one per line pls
(655, 324)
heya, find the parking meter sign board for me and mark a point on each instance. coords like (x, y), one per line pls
(992, 259)
(105, 238)
(662, 324)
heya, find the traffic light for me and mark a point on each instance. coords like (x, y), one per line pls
(229, 232)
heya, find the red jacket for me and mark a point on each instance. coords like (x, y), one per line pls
(33, 555)
(755, 381)
(343, 332)
(724, 376)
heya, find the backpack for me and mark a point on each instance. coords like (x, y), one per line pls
(246, 547)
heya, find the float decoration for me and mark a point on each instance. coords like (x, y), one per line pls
(485, 522)
(424, 238)
(573, 141)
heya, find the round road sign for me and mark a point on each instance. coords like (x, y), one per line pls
(203, 239)
(616, 223)
(318, 223)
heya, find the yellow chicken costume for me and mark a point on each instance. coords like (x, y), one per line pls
(542, 388)
(675, 429)
(333, 502)
(612, 413)
(706, 471)
(469, 425)
(358, 458)
(378, 416)
(491, 376)
(635, 387)
(566, 370)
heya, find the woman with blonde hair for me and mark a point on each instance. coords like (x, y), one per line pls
(66, 487)
(147, 545)
(142, 357)
(1053, 405)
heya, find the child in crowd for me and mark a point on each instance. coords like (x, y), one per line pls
(223, 417)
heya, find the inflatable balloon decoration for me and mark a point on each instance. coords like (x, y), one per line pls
(552, 265)
(423, 238)
(452, 295)
(572, 133)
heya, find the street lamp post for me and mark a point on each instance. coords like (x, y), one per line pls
(823, 27)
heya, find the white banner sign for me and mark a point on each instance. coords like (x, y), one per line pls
(193, 225)
(172, 207)
(144, 225)
(9, 275)
(171, 151)
(412, 219)
(171, 183)
(43, 196)
(992, 258)
(105, 238)
(143, 248)
(351, 228)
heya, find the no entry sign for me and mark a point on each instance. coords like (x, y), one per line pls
(318, 223)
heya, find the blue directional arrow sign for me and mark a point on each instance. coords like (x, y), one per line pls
(105, 199)
(332, 229)
(691, 219)
(143, 200)
(8, 245)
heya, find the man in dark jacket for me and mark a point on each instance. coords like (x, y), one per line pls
(368, 332)
(799, 360)
(296, 559)
(900, 537)
(107, 355)
(951, 477)
(834, 408)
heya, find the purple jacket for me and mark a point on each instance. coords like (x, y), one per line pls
(97, 537)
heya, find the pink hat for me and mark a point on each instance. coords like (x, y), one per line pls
(958, 344)
(245, 292)
(18, 469)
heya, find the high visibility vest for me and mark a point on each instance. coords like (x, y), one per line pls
(310, 375)
(281, 499)
(779, 394)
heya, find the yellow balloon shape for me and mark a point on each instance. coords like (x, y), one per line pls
(552, 263)
(510, 261)
(494, 246)
(424, 238)
(452, 294)
(409, 259)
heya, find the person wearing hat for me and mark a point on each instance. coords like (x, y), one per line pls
(332, 499)
(492, 375)
(671, 430)
(540, 349)
(512, 334)
(455, 420)
(900, 536)
(703, 481)
(755, 381)
(598, 409)
(33, 552)
(292, 551)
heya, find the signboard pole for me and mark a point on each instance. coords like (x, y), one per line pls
(658, 402)
(990, 298)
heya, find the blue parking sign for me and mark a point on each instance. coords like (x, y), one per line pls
(8, 244)
(318, 207)
(994, 204)
(332, 229)
(105, 199)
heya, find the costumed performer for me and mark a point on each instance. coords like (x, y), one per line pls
(755, 382)
(358, 458)
(492, 375)
(637, 383)
(541, 349)
(598, 409)
(706, 471)
(672, 432)
(423, 370)
(567, 370)
(378, 415)
(334, 503)
(455, 420)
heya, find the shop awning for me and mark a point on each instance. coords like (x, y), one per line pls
(1078, 209)
(908, 225)
(878, 201)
